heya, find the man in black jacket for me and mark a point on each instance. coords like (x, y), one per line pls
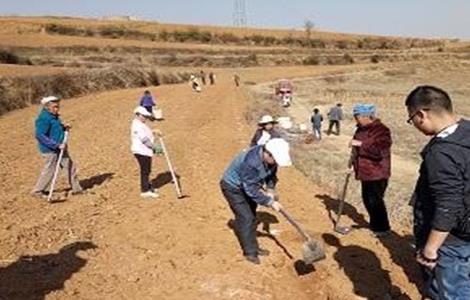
(441, 199)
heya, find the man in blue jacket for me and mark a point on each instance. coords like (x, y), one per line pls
(248, 181)
(49, 132)
(441, 201)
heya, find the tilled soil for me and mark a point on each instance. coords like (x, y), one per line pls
(111, 244)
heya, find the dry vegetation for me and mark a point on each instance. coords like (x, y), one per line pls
(19, 92)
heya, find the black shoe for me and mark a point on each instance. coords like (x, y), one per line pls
(263, 252)
(253, 259)
(81, 192)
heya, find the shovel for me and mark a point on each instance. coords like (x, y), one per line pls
(179, 194)
(57, 167)
(312, 250)
(342, 229)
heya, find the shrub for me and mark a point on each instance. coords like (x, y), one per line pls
(229, 38)
(8, 57)
(311, 60)
(375, 59)
(18, 92)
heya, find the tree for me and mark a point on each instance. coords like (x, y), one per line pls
(308, 26)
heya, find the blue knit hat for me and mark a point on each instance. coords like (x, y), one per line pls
(364, 110)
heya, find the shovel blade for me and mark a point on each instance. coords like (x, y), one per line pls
(343, 229)
(312, 252)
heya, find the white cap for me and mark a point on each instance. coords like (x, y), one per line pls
(46, 100)
(266, 119)
(142, 111)
(279, 149)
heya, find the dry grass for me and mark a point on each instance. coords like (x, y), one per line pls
(19, 92)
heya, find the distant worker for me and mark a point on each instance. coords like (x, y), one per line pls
(316, 121)
(266, 131)
(371, 159)
(212, 78)
(236, 78)
(50, 132)
(147, 101)
(250, 181)
(143, 147)
(195, 85)
(203, 77)
(335, 116)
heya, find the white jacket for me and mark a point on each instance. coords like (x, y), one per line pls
(142, 138)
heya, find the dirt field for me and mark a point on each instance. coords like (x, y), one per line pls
(110, 244)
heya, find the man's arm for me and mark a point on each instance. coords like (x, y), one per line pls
(252, 186)
(446, 183)
(42, 127)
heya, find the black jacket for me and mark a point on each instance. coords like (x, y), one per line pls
(442, 194)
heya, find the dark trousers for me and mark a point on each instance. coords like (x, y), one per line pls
(373, 196)
(337, 125)
(244, 210)
(145, 163)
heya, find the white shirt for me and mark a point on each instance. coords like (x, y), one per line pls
(264, 138)
(141, 138)
(448, 131)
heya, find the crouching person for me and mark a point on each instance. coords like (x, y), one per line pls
(249, 181)
(50, 133)
(143, 147)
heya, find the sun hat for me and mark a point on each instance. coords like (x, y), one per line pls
(140, 110)
(266, 119)
(279, 149)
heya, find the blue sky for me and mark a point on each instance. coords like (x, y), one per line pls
(430, 18)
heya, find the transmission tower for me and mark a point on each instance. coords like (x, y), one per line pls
(239, 13)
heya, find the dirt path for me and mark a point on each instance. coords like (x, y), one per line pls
(110, 244)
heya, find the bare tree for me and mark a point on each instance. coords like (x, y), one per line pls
(308, 26)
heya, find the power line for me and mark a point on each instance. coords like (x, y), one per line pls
(239, 13)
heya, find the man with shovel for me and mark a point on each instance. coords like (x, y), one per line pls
(249, 181)
(50, 132)
(371, 148)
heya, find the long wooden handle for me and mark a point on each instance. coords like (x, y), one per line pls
(170, 166)
(57, 167)
(295, 224)
(343, 197)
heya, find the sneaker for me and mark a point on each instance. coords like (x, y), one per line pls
(149, 194)
(253, 259)
(263, 252)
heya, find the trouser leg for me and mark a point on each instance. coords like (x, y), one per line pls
(145, 164)
(47, 172)
(244, 210)
(373, 197)
(72, 176)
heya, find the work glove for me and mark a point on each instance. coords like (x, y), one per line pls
(157, 149)
(276, 206)
(273, 194)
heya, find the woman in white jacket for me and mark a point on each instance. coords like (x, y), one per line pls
(142, 146)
